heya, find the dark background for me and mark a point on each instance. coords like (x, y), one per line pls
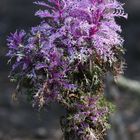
(18, 120)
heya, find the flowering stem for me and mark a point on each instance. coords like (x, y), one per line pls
(66, 58)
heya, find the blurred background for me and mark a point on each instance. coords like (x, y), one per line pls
(18, 120)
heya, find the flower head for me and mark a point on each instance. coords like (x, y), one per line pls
(66, 57)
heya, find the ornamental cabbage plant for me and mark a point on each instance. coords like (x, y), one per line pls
(65, 59)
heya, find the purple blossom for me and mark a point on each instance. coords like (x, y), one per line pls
(65, 58)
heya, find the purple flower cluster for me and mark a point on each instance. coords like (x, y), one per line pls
(66, 57)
